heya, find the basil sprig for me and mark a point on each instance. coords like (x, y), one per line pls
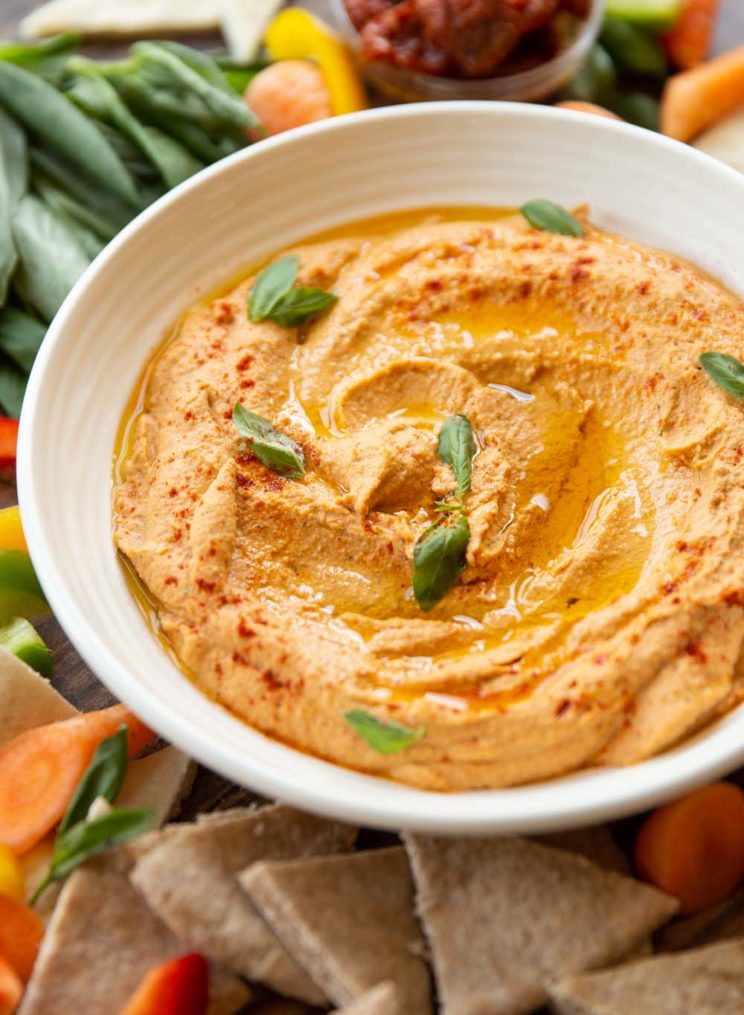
(273, 448)
(275, 296)
(551, 218)
(80, 837)
(726, 371)
(456, 448)
(439, 560)
(383, 737)
(439, 554)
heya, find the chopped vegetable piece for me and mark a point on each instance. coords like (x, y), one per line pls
(20, 638)
(651, 13)
(688, 41)
(596, 80)
(17, 573)
(697, 98)
(177, 987)
(8, 445)
(21, 336)
(12, 882)
(40, 771)
(289, 93)
(693, 848)
(21, 933)
(11, 531)
(587, 107)
(638, 108)
(296, 34)
(632, 49)
(11, 988)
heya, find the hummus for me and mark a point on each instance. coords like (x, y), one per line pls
(600, 616)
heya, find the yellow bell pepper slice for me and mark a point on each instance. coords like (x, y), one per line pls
(12, 883)
(11, 532)
(296, 34)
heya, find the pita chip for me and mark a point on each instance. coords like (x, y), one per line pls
(721, 922)
(162, 781)
(381, 1000)
(27, 700)
(349, 920)
(496, 912)
(706, 981)
(100, 942)
(595, 843)
(190, 882)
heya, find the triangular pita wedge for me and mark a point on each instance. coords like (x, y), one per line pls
(706, 981)
(190, 882)
(383, 999)
(505, 917)
(122, 17)
(725, 140)
(27, 700)
(101, 941)
(162, 781)
(349, 920)
(722, 922)
(595, 843)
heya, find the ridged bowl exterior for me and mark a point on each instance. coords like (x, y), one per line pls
(467, 153)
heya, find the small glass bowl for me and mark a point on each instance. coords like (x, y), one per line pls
(525, 86)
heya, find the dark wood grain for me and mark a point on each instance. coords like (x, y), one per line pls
(72, 677)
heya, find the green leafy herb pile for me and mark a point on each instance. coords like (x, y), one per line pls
(85, 146)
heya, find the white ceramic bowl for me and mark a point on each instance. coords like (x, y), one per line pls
(638, 183)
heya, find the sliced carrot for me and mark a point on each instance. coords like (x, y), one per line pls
(688, 41)
(287, 94)
(21, 934)
(11, 987)
(587, 107)
(693, 848)
(8, 444)
(697, 98)
(40, 770)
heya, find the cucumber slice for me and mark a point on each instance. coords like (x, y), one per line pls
(632, 49)
(649, 13)
(20, 638)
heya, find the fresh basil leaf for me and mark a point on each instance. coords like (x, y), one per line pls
(383, 737)
(726, 371)
(456, 448)
(275, 449)
(13, 383)
(88, 838)
(300, 303)
(103, 778)
(270, 285)
(439, 560)
(551, 218)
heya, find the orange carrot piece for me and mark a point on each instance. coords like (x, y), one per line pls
(587, 107)
(688, 41)
(21, 934)
(11, 987)
(693, 848)
(698, 98)
(177, 987)
(40, 770)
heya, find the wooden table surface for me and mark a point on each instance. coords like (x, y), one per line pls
(72, 677)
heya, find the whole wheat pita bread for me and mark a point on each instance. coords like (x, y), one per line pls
(189, 881)
(706, 981)
(100, 942)
(595, 843)
(725, 140)
(27, 700)
(349, 920)
(722, 922)
(497, 912)
(383, 999)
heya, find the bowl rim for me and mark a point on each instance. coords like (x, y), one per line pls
(605, 793)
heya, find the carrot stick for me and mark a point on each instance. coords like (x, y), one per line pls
(40, 770)
(11, 988)
(21, 933)
(697, 98)
(693, 848)
(8, 444)
(688, 41)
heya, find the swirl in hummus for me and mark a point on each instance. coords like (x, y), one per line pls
(600, 616)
